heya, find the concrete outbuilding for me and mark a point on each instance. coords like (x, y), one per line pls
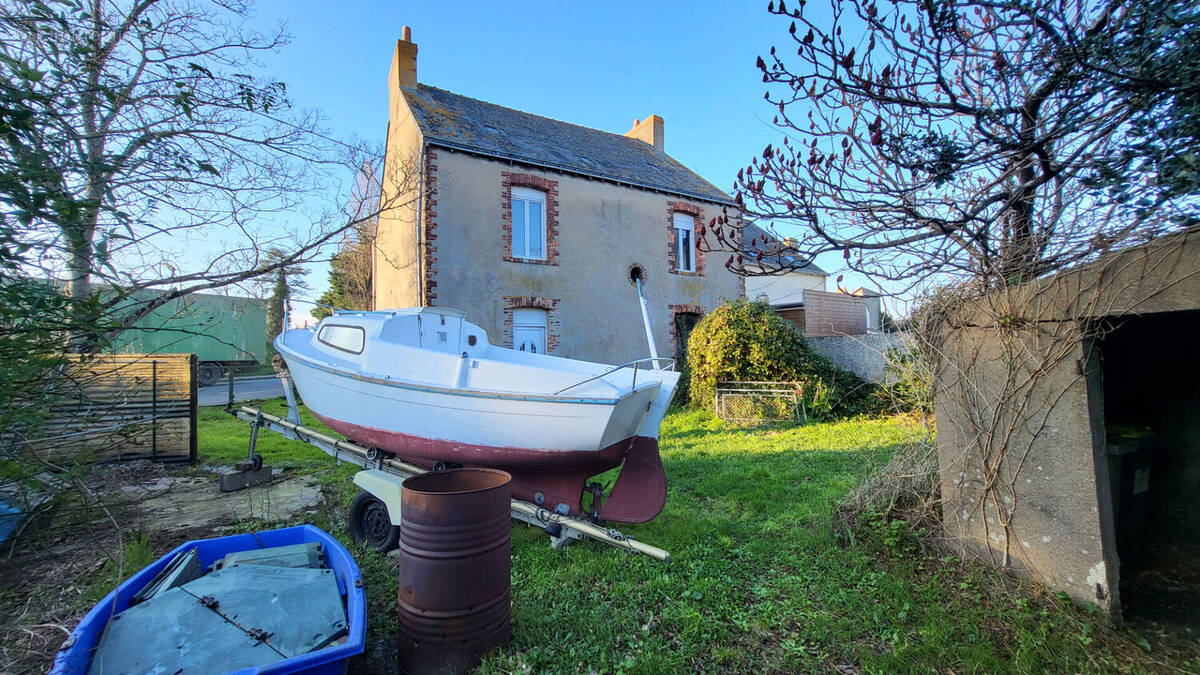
(1068, 414)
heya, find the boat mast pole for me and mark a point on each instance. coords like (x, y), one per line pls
(646, 321)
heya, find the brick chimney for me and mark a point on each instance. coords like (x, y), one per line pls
(404, 62)
(649, 130)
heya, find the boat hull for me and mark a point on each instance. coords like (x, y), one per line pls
(545, 477)
(471, 419)
(427, 387)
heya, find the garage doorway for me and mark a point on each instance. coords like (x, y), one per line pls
(1151, 391)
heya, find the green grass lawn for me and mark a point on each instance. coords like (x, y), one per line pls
(223, 439)
(759, 580)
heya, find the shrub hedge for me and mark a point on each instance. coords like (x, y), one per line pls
(747, 340)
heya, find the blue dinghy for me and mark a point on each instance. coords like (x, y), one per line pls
(280, 601)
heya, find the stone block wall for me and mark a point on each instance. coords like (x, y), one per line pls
(863, 355)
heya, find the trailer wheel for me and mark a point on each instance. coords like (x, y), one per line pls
(370, 523)
(209, 373)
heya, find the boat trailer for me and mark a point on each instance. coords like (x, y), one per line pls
(382, 474)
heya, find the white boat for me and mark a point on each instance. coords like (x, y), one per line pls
(426, 385)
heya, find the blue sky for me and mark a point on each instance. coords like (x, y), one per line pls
(597, 64)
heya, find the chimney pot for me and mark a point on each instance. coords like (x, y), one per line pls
(406, 34)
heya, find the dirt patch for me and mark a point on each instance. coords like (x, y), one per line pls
(49, 576)
(1161, 597)
(195, 501)
(378, 658)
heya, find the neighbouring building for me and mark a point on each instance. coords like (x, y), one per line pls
(785, 287)
(873, 303)
(797, 291)
(533, 226)
(1068, 429)
(841, 325)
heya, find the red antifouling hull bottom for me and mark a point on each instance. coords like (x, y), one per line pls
(544, 477)
(455, 569)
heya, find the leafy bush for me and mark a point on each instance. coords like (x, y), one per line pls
(907, 383)
(747, 340)
(683, 390)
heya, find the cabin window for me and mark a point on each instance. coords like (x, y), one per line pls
(528, 224)
(685, 229)
(346, 338)
(529, 330)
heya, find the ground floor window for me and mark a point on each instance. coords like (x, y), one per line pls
(529, 330)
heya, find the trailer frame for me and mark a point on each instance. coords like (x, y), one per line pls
(382, 474)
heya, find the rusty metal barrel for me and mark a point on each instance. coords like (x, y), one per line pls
(455, 569)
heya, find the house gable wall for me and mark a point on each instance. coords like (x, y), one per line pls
(396, 261)
(602, 229)
(784, 289)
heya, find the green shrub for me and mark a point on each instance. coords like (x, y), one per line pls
(907, 383)
(747, 340)
(683, 390)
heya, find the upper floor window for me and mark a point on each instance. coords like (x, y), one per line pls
(685, 229)
(528, 224)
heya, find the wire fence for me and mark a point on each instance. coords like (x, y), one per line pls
(760, 402)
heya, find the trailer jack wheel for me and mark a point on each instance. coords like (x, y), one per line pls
(370, 523)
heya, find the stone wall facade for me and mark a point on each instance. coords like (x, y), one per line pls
(863, 355)
(599, 231)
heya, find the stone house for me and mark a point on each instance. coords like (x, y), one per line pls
(1068, 428)
(533, 226)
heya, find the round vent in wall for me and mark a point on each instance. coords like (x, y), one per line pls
(637, 272)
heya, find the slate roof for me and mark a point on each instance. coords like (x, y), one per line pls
(751, 232)
(468, 124)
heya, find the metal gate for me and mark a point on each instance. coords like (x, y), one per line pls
(760, 402)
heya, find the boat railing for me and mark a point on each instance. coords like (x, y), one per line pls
(670, 365)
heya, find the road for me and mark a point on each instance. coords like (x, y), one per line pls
(244, 389)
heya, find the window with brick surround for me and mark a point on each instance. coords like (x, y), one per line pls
(541, 324)
(528, 223)
(685, 232)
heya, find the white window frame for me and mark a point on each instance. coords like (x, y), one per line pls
(684, 223)
(532, 318)
(529, 196)
(350, 339)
